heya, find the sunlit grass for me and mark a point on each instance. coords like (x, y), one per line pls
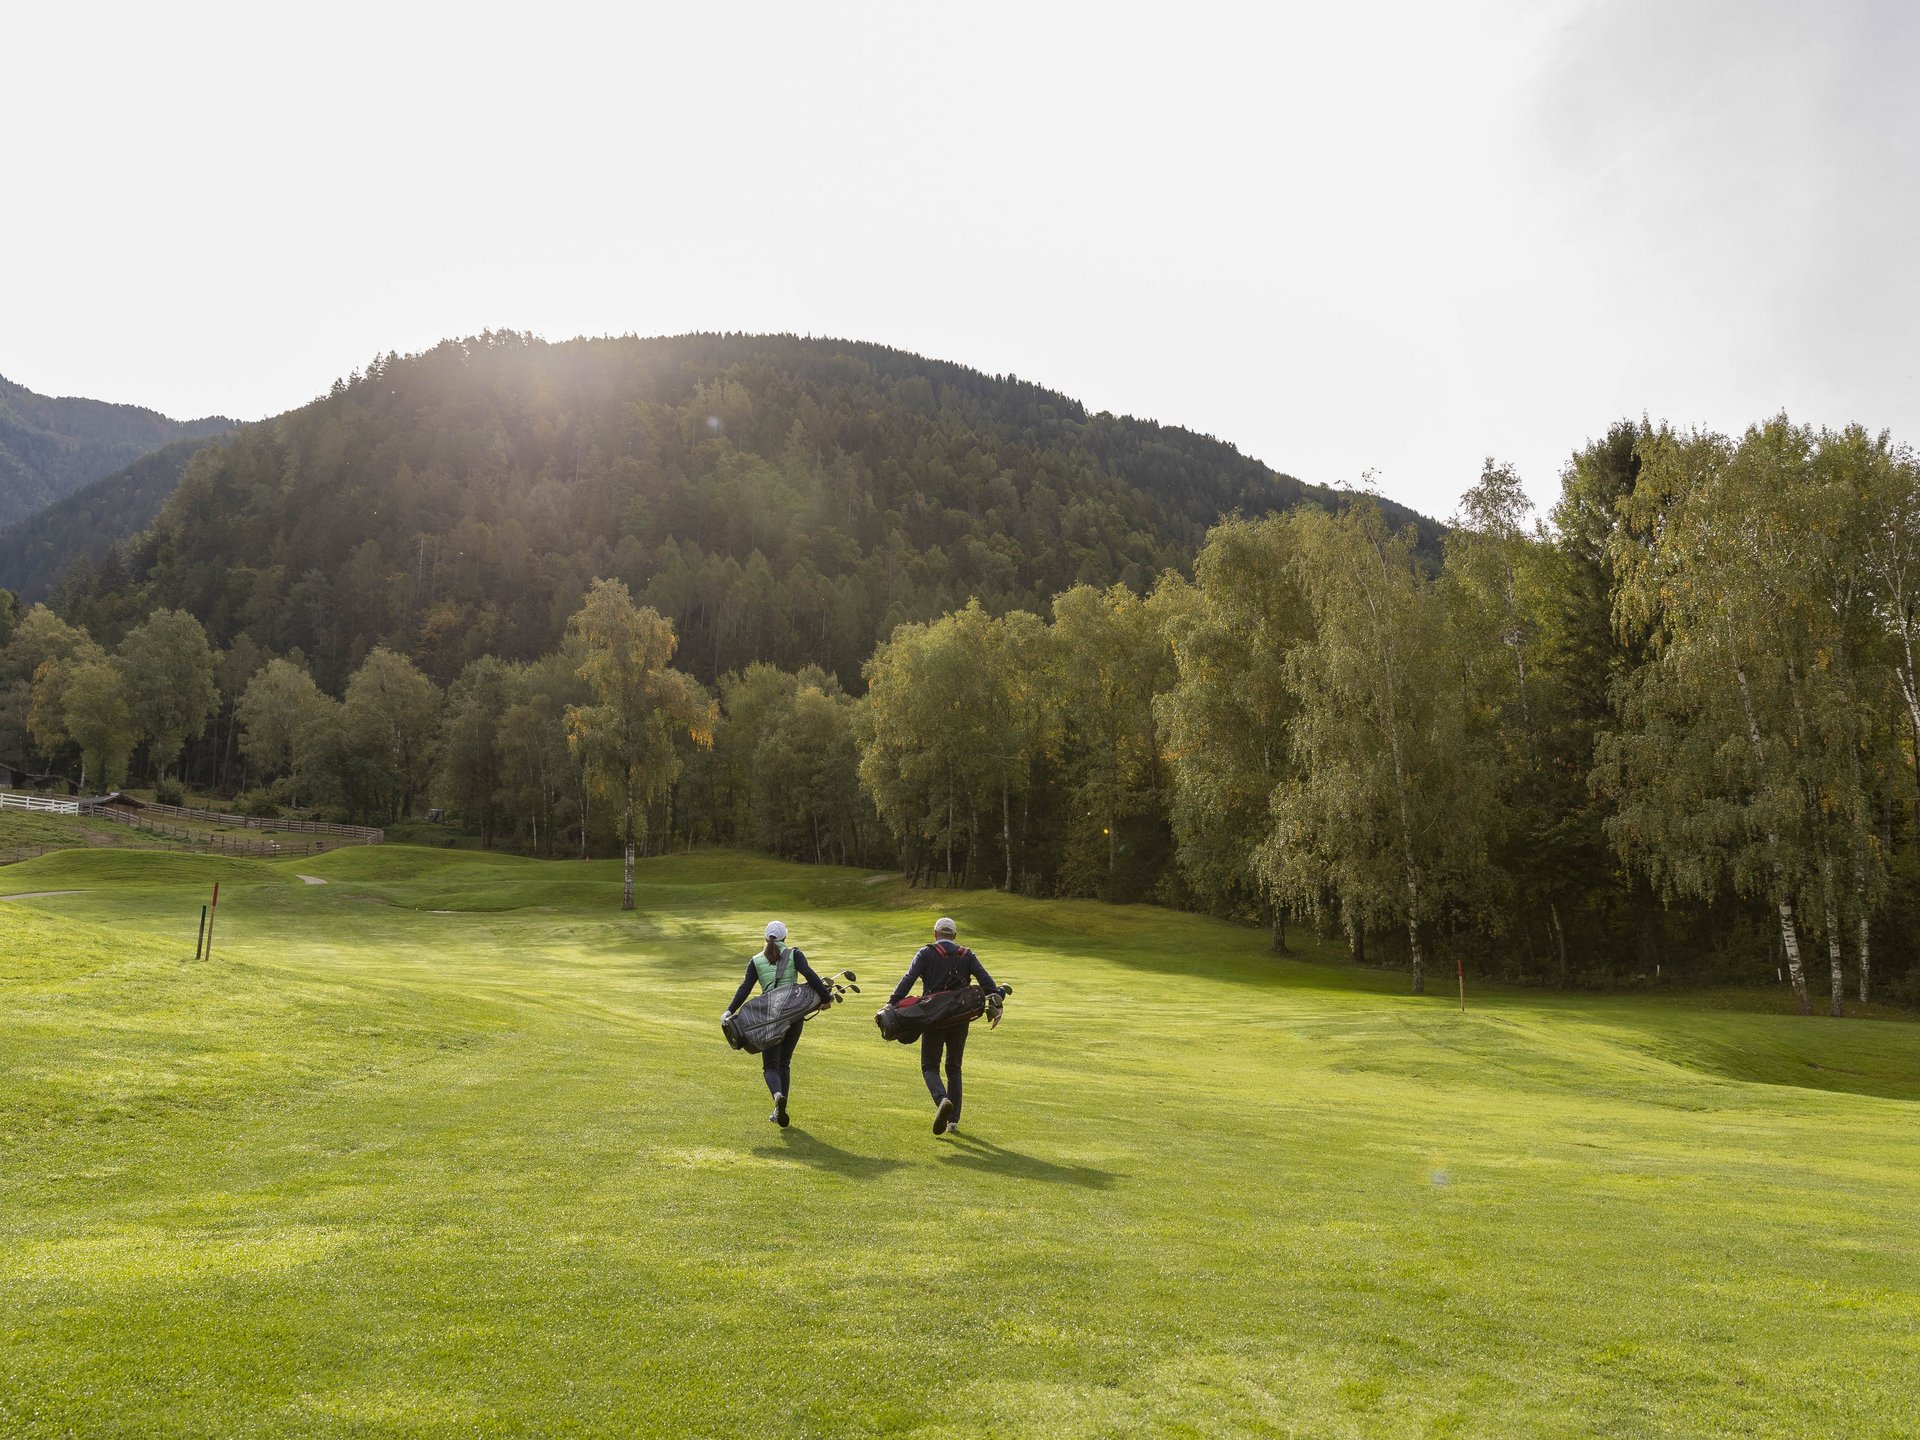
(376, 1169)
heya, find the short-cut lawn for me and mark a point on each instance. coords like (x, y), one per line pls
(450, 1146)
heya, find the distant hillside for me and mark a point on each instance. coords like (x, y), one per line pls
(35, 553)
(779, 498)
(50, 447)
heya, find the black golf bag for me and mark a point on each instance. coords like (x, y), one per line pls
(763, 1021)
(917, 1014)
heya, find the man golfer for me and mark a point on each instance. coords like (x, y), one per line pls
(943, 965)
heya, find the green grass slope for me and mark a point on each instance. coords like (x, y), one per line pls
(449, 1146)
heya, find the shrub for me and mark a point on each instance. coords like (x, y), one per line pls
(259, 803)
(169, 792)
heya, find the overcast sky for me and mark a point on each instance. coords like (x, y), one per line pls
(1350, 237)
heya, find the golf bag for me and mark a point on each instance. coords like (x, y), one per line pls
(763, 1021)
(917, 1014)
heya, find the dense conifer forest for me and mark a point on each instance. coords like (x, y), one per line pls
(51, 446)
(779, 499)
(74, 535)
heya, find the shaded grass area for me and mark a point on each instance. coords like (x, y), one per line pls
(377, 1170)
(28, 827)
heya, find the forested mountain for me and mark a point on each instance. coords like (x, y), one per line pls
(779, 499)
(73, 534)
(50, 447)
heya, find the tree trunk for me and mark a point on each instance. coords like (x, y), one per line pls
(1358, 939)
(1790, 942)
(1788, 938)
(1866, 968)
(1026, 815)
(1559, 943)
(1278, 918)
(1837, 980)
(1835, 1006)
(1006, 827)
(626, 892)
(583, 815)
(1419, 960)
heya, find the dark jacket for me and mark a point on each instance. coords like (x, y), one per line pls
(799, 964)
(943, 965)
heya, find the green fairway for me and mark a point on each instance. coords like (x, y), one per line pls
(449, 1146)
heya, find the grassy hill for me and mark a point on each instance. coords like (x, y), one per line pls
(50, 446)
(449, 1145)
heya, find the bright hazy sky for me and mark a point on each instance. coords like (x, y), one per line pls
(1344, 237)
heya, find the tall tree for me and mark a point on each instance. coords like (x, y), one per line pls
(1224, 720)
(469, 774)
(1507, 586)
(641, 704)
(392, 719)
(169, 668)
(289, 731)
(99, 713)
(1111, 656)
(1393, 805)
(1737, 756)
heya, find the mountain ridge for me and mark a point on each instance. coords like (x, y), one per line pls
(51, 445)
(779, 497)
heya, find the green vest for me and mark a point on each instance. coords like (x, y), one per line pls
(772, 977)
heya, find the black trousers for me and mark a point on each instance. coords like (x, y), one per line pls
(776, 1062)
(951, 1041)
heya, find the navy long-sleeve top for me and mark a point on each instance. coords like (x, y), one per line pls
(943, 965)
(799, 964)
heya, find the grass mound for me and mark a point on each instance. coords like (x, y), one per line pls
(375, 1169)
(144, 869)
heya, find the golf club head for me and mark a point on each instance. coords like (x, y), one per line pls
(854, 988)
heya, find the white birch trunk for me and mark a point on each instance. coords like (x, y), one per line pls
(626, 890)
(1789, 940)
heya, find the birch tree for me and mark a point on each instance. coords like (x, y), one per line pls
(641, 704)
(169, 668)
(276, 715)
(1111, 657)
(1738, 755)
(1392, 804)
(1224, 721)
(934, 754)
(1509, 589)
(99, 716)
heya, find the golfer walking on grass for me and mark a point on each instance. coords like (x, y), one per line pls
(775, 966)
(944, 965)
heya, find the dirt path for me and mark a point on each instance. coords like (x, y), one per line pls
(39, 894)
(311, 879)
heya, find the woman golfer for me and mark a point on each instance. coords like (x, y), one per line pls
(944, 965)
(774, 967)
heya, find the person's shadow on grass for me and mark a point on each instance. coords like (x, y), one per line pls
(808, 1149)
(972, 1153)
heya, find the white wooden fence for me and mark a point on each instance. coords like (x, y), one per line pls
(14, 800)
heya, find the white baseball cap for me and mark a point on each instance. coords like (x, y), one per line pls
(945, 926)
(776, 931)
